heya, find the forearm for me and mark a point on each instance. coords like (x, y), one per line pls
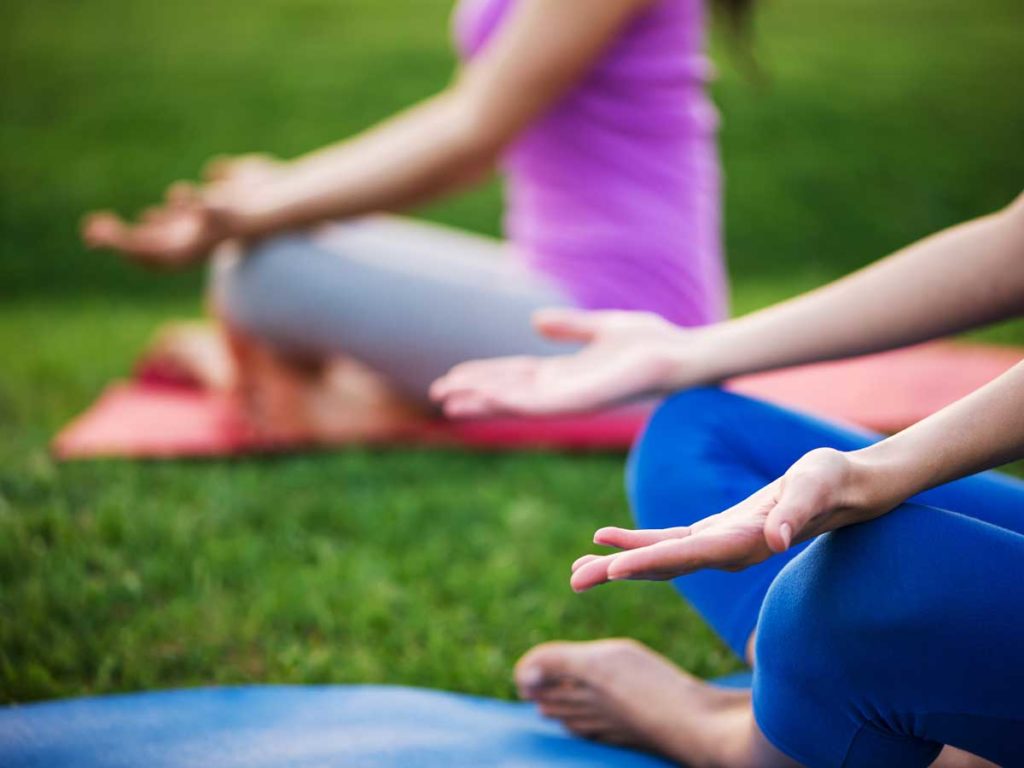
(416, 156)
(423, 153)
(982, 431)
(542, 49)
(963, 277)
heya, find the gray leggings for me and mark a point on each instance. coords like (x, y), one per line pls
(408, 299)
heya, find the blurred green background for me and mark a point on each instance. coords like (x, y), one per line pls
(881, 121)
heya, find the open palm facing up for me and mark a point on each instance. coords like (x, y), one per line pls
(817, 494)
(624, 354)
(191, 221)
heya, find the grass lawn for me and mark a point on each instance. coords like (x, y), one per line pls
(881, 122)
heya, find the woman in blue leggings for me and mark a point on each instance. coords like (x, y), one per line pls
(875, 585)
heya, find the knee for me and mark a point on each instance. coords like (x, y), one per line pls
(830, 611)
(832, 605)
(831, 630)
(802, 667)
(250, 287)
(682, 430)
(799, 620)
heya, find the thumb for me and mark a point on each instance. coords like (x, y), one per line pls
(799, 500)
(567, 324)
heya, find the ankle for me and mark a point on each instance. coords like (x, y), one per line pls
(735, 746)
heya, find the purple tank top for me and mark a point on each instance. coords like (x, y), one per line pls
(614, 192)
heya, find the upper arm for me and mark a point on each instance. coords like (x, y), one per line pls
(541, 50)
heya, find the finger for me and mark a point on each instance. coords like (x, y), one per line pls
(182, 194)
(156, 214)
(470, 405)
(455, 383)
(566, 324)
(624, 538)
(442, 388)
(675, 557)
(481, 374)
(439, 389)
(787, 519)
(592, 573)
(218, 168)
(581, 561)
(149, 244)
(799, 500)
(489, 378)
(104, 230)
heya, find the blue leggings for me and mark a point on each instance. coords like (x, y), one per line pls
(878, 643)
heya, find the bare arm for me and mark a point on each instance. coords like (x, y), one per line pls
(452, 139)
(963, 277)
(982, 431)
(825, 490)
(425, 152)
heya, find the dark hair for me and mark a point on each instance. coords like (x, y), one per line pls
(738, 16)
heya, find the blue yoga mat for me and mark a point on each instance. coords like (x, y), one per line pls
(355, 726)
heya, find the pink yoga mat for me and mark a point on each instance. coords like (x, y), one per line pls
(147, 420)
(885, 392)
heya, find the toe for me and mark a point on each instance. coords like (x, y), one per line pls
(567, 693)
(588, 727)
(561, 711)
(547, 665)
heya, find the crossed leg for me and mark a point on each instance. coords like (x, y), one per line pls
(705, 450)
(621, 692)
(399, 301)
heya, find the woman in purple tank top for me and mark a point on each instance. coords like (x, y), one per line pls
(597, 114)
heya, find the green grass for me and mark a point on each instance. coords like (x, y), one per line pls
(882, 121)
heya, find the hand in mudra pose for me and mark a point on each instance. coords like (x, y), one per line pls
(192, 221)
(625, 354)
(629, 354)
(820, 492)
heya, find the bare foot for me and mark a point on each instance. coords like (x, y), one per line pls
(189, 352)
(951, 757)
(621, 692)
(289, 400)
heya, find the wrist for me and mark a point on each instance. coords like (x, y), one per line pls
(690, 358)
(246, 219)
(254, 209)
(879, 480)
